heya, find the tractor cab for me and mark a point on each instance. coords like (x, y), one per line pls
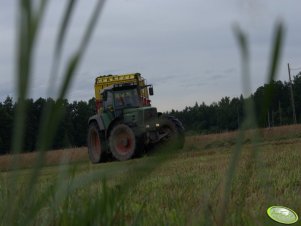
(123, 102)
(119, 97)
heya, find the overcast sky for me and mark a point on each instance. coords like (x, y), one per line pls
(186, 49)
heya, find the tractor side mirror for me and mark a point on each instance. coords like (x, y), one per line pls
(151, 91)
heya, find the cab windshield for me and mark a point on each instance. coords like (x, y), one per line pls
(126, 98)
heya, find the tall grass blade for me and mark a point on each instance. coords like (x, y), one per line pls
(53, 112)
(243, 45)
(59, 44)
(28, 24)
(274, 64)
(249, 122)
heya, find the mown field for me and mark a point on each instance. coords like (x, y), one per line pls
(193, 186)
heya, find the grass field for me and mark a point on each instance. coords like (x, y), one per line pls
(184, 188)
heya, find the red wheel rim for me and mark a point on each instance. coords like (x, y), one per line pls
(124, 143)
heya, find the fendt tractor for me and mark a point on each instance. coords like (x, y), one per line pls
(126, 124)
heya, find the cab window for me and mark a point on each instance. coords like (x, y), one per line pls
(108, 103)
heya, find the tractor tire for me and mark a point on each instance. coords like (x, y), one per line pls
(175, 132)
(96, 141)
(180, 131)
(122, 142)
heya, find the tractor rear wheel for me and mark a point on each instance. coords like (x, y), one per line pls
(95, 144)
(173, 131)
(122, 142)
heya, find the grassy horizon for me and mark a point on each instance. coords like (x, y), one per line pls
(75, 155)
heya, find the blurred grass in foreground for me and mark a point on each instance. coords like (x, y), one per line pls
(165, 189)
(185, 190)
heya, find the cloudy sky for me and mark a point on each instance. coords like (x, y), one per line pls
(186, 49)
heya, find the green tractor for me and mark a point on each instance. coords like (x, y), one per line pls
(125, 127)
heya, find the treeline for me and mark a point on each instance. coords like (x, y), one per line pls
(228, 114)
(225, 115)
(71, 132)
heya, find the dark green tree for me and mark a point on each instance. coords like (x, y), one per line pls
(6, 122)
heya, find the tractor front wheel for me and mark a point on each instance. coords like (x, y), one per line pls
(122, 142)
(95, 144)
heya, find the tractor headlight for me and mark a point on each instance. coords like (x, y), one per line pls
(157, 125)
(147, 126)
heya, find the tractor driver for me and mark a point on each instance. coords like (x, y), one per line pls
(131, 99)
(119, 100)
